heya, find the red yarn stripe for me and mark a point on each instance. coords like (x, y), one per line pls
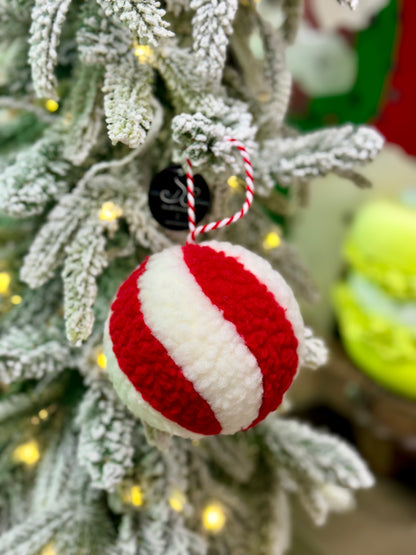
(148, 366)
(259, 319)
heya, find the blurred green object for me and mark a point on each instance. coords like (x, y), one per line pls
(375, 304)
(379, 344)
(381, 245)
(376, 48)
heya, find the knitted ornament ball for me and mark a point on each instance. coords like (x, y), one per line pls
(203, 339)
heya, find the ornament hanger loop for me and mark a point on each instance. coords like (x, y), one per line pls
(195, 231)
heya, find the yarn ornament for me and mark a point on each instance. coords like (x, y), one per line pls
(204, 339)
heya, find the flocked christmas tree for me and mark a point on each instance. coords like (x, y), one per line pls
(98, 97)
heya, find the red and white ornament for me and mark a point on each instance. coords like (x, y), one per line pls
(204, 339)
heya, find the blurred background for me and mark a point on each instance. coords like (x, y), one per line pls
(360, 246)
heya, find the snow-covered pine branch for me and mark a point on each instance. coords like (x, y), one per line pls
(144, 18)
(106, 429)
(89, 515)
(176, 7)
(35, 532)
(298, 159)
(177, 67)
(21, 404)
(142, 226)
(31, 353)
(47, 251)
(321, 469)
(293, 10)
(315, 352)
(128, 541)
(55, 469)
(37, 307)
(67, 512)
(236, 457)
(84, 110)
(314, 456)
(278, 76)
(14, 19)
(211, 29)
(37, 176)
(26, 105)
(128, 101)
(163, 531)
(280, 528)
(85, 259)
(102, 40)
(48, 18)
(203, 135)
(74, 236)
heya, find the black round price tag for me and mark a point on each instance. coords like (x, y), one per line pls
(167, 198)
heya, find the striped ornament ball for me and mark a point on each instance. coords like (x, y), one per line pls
(203, 339)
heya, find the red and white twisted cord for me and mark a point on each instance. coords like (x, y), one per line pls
(195, 231)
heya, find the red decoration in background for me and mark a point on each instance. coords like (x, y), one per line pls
(397, 118)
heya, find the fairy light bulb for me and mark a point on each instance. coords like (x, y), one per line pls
(43, 414)
(101, 359)
(143, 53)
(264, 96)
(15, 299)
(271, 241)
(235, 182)
(110, 212)
(177, 500)
(51, 105)
(134, 496)
(4, 282)
(27, 453)
(131, 494)
(48, 550)
(213, 517)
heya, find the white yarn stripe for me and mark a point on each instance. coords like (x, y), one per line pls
(207, 347)
(272, 280)
(133, 399)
